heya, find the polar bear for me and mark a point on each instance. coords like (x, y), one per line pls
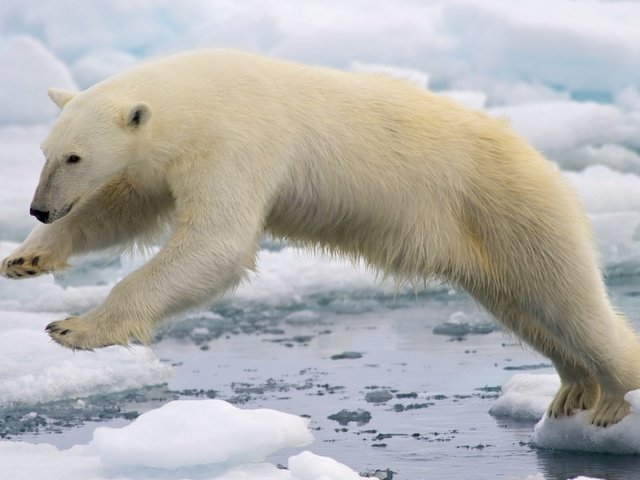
(224, 146)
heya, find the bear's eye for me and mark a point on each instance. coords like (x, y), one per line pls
(73, 159)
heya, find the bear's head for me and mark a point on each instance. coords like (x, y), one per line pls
(94, 138)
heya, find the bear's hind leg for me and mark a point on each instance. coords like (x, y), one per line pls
(596, 354)
(617, 373)
(579, 389)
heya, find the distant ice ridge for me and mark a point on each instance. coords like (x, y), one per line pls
(526, 397)
(199, 439)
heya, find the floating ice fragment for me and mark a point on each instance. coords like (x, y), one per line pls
(535, 366)
(205, 439)
(308, 466)
(459, 324)
(200, 432)
(576, 433)
(526, 397)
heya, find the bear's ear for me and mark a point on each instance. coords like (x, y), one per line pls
(60, 97)
(137, 114)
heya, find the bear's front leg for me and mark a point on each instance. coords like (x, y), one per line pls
(205, 256)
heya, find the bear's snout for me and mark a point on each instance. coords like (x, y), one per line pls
(40, 215)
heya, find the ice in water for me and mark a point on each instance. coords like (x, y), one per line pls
(185, 439)
(526, 397)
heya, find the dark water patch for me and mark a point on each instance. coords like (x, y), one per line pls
(407, 395)
(399, 407)
(346, 356)
(489, 389)
(53, 417)
(235, 316)
(536, 366)
(325, 388)
(344, 417)
(244, 392)
(480, 446)
(378, 396)
(58, 416)
(296, 340)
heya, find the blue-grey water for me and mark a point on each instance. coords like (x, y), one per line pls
(406, 402)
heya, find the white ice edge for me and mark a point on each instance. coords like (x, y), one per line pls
(526, 397)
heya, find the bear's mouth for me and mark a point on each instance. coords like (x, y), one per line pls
(60, 213)
(66, 209)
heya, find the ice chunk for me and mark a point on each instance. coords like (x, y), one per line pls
(193, 439)
(578, 434)
(308, 466)
(459, 324)
(525, 396)
(200, 432)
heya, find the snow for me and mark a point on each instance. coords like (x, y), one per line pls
(526, 397)
(199, 439)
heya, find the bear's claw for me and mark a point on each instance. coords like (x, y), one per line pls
(24, 266)
(76, 333)
(574, 397)
(609, 410)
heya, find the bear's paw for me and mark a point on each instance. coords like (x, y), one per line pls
(76, 333)
(609, 410)
(573, 397)
(27, 265)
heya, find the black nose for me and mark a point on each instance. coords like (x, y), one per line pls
(42, 216)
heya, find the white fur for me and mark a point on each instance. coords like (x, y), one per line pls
(227, 145)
